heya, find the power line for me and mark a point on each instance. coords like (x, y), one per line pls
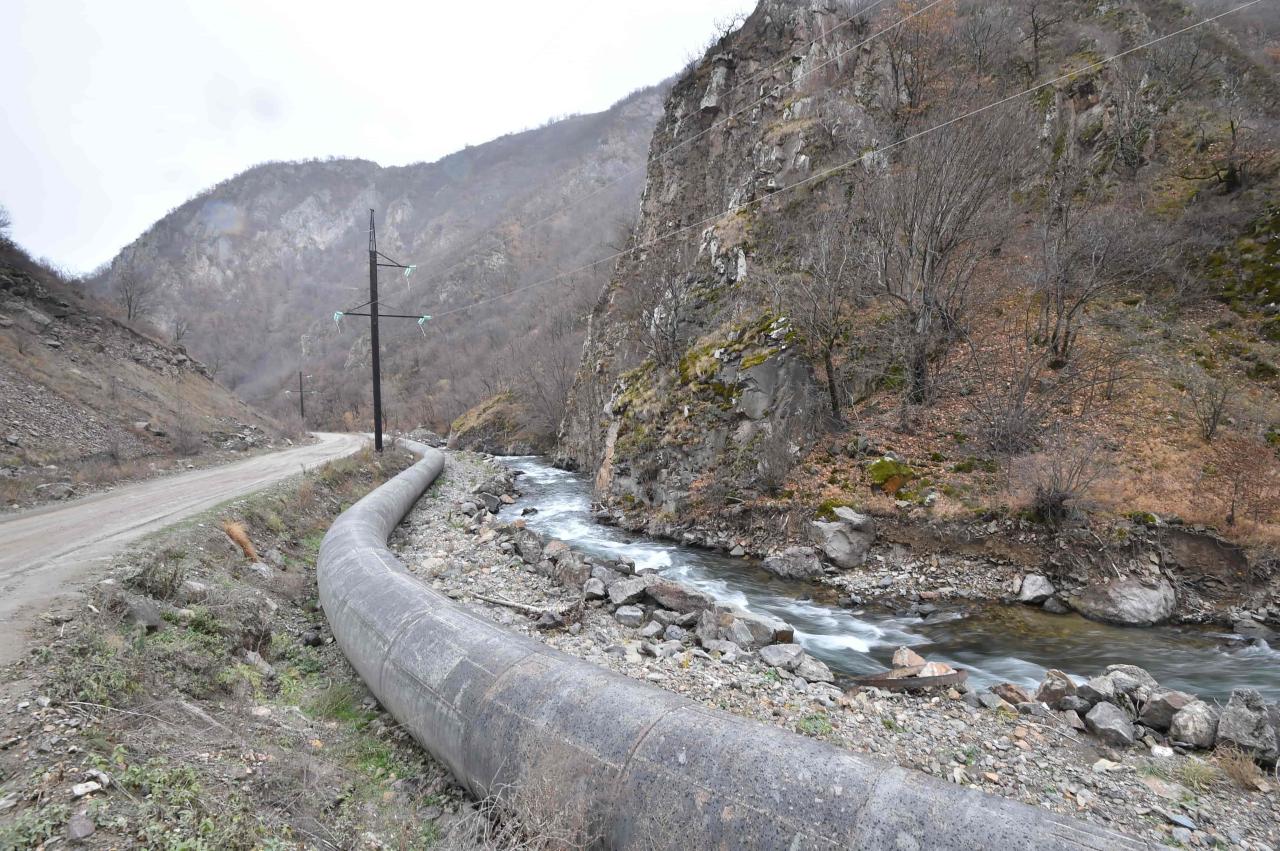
(842, 166)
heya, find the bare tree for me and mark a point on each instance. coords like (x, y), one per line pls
(6, 222)
(829, 285)
(179, 328)
(664, 299)
(1210, 398)
(915, 51)
(984, 35)
(1085, 253)
(135, 294)
(929, 222)
(1061, 478)
(1019, 396)
(1041, 19)
(1245, 476)
(1133, 114)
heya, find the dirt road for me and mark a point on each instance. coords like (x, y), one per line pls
(49, 552)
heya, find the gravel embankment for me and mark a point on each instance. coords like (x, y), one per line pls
(1151, 792)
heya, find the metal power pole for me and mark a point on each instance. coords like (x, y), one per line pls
(302, 400)
(374, 314)
(373, 335)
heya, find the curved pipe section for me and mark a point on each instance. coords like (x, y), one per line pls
(629, 764)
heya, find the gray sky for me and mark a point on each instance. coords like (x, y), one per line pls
(116, 111)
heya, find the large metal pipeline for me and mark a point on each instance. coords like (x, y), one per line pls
(619, 761)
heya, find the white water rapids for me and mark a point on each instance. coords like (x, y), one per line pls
(995, 643)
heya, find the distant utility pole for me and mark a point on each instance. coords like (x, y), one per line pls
(374, 314)
(302, 398)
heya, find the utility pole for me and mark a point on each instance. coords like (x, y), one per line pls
(374, 315)
(302, 398)
(373, 335)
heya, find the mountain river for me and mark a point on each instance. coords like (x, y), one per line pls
(994, 642)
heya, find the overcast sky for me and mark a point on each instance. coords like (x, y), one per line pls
(116, 112)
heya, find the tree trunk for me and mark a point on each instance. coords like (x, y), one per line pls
(833, 392)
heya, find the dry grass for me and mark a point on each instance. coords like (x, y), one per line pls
(1197, 774)
(236, 532)
(1239, 766)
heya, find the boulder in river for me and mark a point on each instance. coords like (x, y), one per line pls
(1055, 687)
(847, 539)
(1195, 724)
(795, 563)
(1109, 723)
(905, 657)
(1128, 602)
(1035, 589)
(1246, 723)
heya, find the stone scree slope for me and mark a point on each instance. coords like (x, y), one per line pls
(633, 765)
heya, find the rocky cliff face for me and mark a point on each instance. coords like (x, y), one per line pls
(703, 399)
(732, 400)
(257, 265)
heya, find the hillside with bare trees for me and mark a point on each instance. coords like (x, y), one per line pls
(249, 274)
(950, 263)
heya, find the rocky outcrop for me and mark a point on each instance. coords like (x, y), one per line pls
(499, 425)
(846, 540)
(1246, 723)
(1128, 602)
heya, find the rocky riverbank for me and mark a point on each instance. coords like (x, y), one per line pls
(1138, 571)
(1069, 752)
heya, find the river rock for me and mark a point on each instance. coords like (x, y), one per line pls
(556, 549)
(1010, 693)
(629, 615)
(1035, 589)
(593, 589)
(606, 575)
(528, 545)
(676, 597)
(1109, 723)
(1128, 602)
(813, 670)
(710, 625)
(763, 629)
(846, 540)
(905, 657)
(1163, 705)
(936, 669)
(630, 590)
(651, 630)
(1133, 672)
(571, 571)
(795, 563)
(1246, 723)
(785, 656)
(1055, 687)
(1195, 724)
(1097, 690)
(684, 620)
(1055, 606)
